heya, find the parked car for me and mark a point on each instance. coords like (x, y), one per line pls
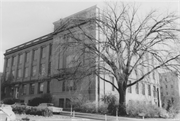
(51, 107)
(6, 113)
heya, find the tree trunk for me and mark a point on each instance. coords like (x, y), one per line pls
(122, 100)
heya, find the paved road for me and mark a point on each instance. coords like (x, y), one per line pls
(112, 119)
(135, 119)
(109, 118)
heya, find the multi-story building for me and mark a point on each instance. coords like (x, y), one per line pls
(29, 69)
(170, 89)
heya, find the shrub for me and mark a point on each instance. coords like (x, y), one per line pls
(102, 109)
(135, 109)
(47, 112)
(173, 111)
(87, 107)
(111, 102)
(19, 109)
(90, 107)
(9, 101)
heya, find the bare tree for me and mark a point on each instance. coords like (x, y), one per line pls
(127, 45)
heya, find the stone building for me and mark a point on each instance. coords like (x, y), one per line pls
(0, 84)
(29, 69)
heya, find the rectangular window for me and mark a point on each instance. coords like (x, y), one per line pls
(24, 87)
(8, 62)
(34, 71)
(112, 80)
(7, 75)
(26, 71)
(147, 61)
(42, 69)
(20, 59)
(137, 88)
(70, 85)
(31, 88)
(48, 86)
(142, 66)
(19, 73)
(40, 87)
(13, 73)
(72, 60)
(154, 91)
(130, 88)
(34, 55)
(153, 73)
(149, 90)
(61, 102)
(143, 88)
(49, 68)
(43, 53)
(50, 50)
(63, 86)
(27, 57)
(13, 61)
(136, 72)
(68, 103)
(74, 85)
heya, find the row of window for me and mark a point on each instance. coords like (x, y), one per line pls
(42, 71)
(66, 86)
(137, 88)
(168, 93)
(32, 88)
(143, 89)
(27, 69)
(146, 63)
(167, 86)
(69, 85)
(19, 59)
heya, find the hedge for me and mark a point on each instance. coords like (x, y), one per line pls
(32, 110)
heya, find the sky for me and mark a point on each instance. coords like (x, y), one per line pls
(22, 21)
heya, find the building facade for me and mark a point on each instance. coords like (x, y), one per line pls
(170, 89)
(1, 74)
(146, 91)
(28, 69)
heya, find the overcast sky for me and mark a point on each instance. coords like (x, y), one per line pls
(24, 21)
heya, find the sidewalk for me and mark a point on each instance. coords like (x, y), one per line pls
(113, 118)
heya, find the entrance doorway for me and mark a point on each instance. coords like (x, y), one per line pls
(61, 102)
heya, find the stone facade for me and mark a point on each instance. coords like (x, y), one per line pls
(26, 65)
(170, 89)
